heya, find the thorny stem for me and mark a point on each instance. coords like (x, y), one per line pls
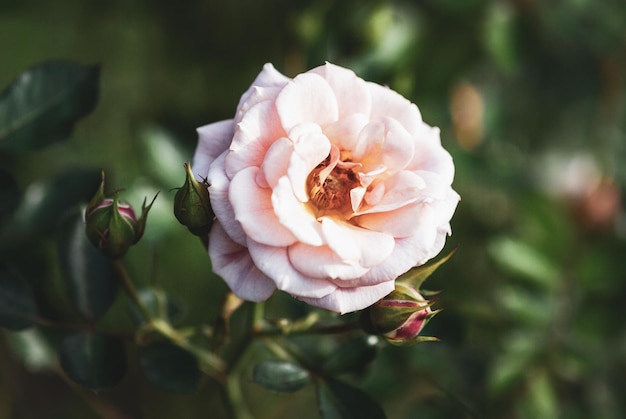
(209, 362)
(313, 330)
(129, 287)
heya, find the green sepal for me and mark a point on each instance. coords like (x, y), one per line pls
(140, 226)
(98, 197)
(416, 276)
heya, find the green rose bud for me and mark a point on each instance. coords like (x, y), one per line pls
(111, 225)
(399, 317)
(192, 206)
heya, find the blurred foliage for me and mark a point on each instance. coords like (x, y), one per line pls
(529, 96)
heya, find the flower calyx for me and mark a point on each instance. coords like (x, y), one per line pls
(112, 225)
(399, 317)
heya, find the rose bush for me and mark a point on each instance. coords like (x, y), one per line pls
(324, 186)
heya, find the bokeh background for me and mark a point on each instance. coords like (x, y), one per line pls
(529, 96)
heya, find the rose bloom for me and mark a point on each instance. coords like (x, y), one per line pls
(324, 186)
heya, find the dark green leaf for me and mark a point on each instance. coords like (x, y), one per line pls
(9, 194)
(352, 356)
(94, 361)
(281, 376)
(43, 103)
(17, 306)
(45, 202)
(158, 304)
(170, 367)
(89, 275)
(337, 400)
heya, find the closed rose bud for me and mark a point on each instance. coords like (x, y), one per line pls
(399, 317)
(192, 206)
(111, 225)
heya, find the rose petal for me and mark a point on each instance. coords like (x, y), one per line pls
(346, 300)
(307, 98)
(344, 133)
(410, 219)
(355, 245)
(295, 215)
(384, 143)
(253, 209)
(268, 77)
(386, 102)
(276, 161)
(402, 189)
(218, 193)
(256, 95)
(310, 148)
(253, 136)
(350, 91)
(322, 262)
(233, 263)
(275, 263)
(407, 253)
(213, 140)
(430, 156)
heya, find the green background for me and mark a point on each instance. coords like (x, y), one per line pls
(529, 96)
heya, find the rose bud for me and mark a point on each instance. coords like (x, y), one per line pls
(111, 225)
(192, 206)
(399, 317)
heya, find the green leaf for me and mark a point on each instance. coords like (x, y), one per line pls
(94, 361)
(9, 194)
(32, 349)
(17, 306)
(89, 275)
(45, 202)
(352, 356)
(158, 304)
(170, 367)
(42, 105)
(281, 376)
(416, 276)
(337, 400)
(522, 259)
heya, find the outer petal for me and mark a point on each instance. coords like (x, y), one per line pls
(346, 300)
(408, 252)
(431, 156)
(213, 140)
(270, 78)
(307, 98)
(218, 193)
(233, 263)
(253, 209)
(275, 263)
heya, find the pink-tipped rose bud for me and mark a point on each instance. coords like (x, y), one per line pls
(192, 206)
(111, 225)
(399, 317)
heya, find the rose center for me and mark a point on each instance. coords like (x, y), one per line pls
(329, 188)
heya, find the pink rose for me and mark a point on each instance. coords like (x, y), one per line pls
(324, 186)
